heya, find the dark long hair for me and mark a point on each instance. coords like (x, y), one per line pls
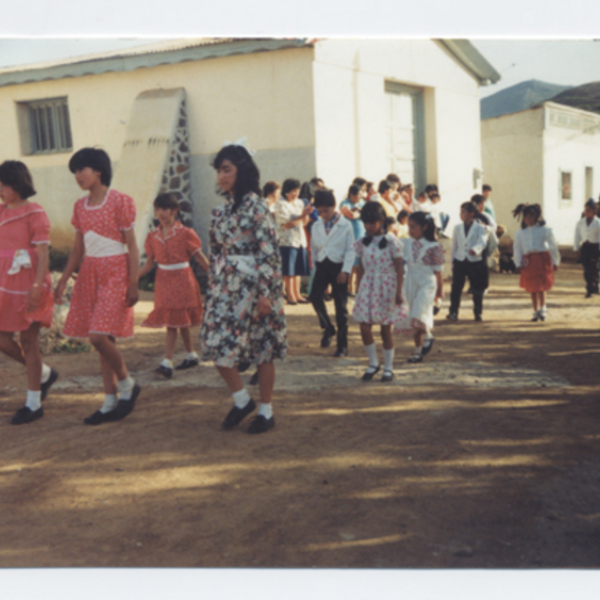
(522, 210)
(372, 212)
(16, 175)
(425, 221)
(248, 177)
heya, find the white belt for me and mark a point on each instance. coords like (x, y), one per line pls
(174, 266)
(98, 246)
(245, 264)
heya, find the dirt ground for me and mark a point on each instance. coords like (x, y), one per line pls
(484, 456)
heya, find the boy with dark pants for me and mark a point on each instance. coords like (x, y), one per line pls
(332, 250)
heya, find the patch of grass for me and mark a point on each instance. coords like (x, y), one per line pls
(71, 347)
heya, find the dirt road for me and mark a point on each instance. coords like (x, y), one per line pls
(486, 455)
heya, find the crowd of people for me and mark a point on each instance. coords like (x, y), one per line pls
(380, 245)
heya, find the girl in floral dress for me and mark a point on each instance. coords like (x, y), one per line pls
(244, 320)
(25, 288)
(177, 300)
(106, 287)
(379, 296)
(424, 260)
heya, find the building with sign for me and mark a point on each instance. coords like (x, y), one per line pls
(332, 108)
(549, 154)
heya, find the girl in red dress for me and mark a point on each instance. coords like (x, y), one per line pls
(177, 300)
(25, 287)
(106, 288)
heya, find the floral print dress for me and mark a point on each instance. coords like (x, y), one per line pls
(245, 264)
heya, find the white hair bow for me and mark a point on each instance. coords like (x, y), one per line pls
(241, 142)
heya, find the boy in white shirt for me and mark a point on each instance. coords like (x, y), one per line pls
(587, 245)
(332, 244)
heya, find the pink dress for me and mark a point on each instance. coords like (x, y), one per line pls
(177, 300)
(376, 298)
(22, 228)
(98, 304)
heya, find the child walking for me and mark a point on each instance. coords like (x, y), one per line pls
(332, 247)
(423, 285)
(379, 296)
(469, 241)
(106, 287)
(25, 288)
(177, 300)
(536, 256)
(587, 244)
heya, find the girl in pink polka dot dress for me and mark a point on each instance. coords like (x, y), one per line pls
(25, 287)
(379, 297)
(106, 287)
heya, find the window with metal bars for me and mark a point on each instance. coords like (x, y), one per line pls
(49, 126)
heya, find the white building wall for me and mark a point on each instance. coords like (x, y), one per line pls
(569, 148)
(265, 96)
(349, 78)
(512, 162)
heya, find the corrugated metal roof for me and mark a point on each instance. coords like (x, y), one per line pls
(147, 55)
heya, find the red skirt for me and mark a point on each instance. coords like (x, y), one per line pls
(537, 274)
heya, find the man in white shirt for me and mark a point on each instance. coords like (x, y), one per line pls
(332, 244)
(587, 244)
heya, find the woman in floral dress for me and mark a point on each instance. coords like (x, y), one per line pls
(244, 320)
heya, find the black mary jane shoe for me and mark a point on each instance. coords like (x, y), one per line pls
(417, 357)
(369, 373)
(45, 387)
(427, 345)
(187, 363)
(166, 371)
(236, 415)
(124, 407)
(387, 376)
(26, 415)
(99, 417)
(260, 424)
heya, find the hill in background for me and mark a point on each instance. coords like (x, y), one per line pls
(585, 97)
(522, 96)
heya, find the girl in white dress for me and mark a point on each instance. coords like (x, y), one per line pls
(424, 260)
(379, 295)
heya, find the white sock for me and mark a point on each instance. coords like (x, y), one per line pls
(166, 363)
(543, 310)
(266, 410)
(388, 359)
(418, 349)
(428, 335)
(46, 370)
(34, 400)
(371, 351)
(125, 388)
(192, 356)
(241, 398)
(110, 403)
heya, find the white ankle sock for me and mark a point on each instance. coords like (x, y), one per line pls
(192, 356)
(110, 403)
(543, 310)
(388, 359)
(125, 387)
(46, 370)
(266, 410)
(371, 351)
(241, 398)
(166, 363)
(34, 400)
(429, 335)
